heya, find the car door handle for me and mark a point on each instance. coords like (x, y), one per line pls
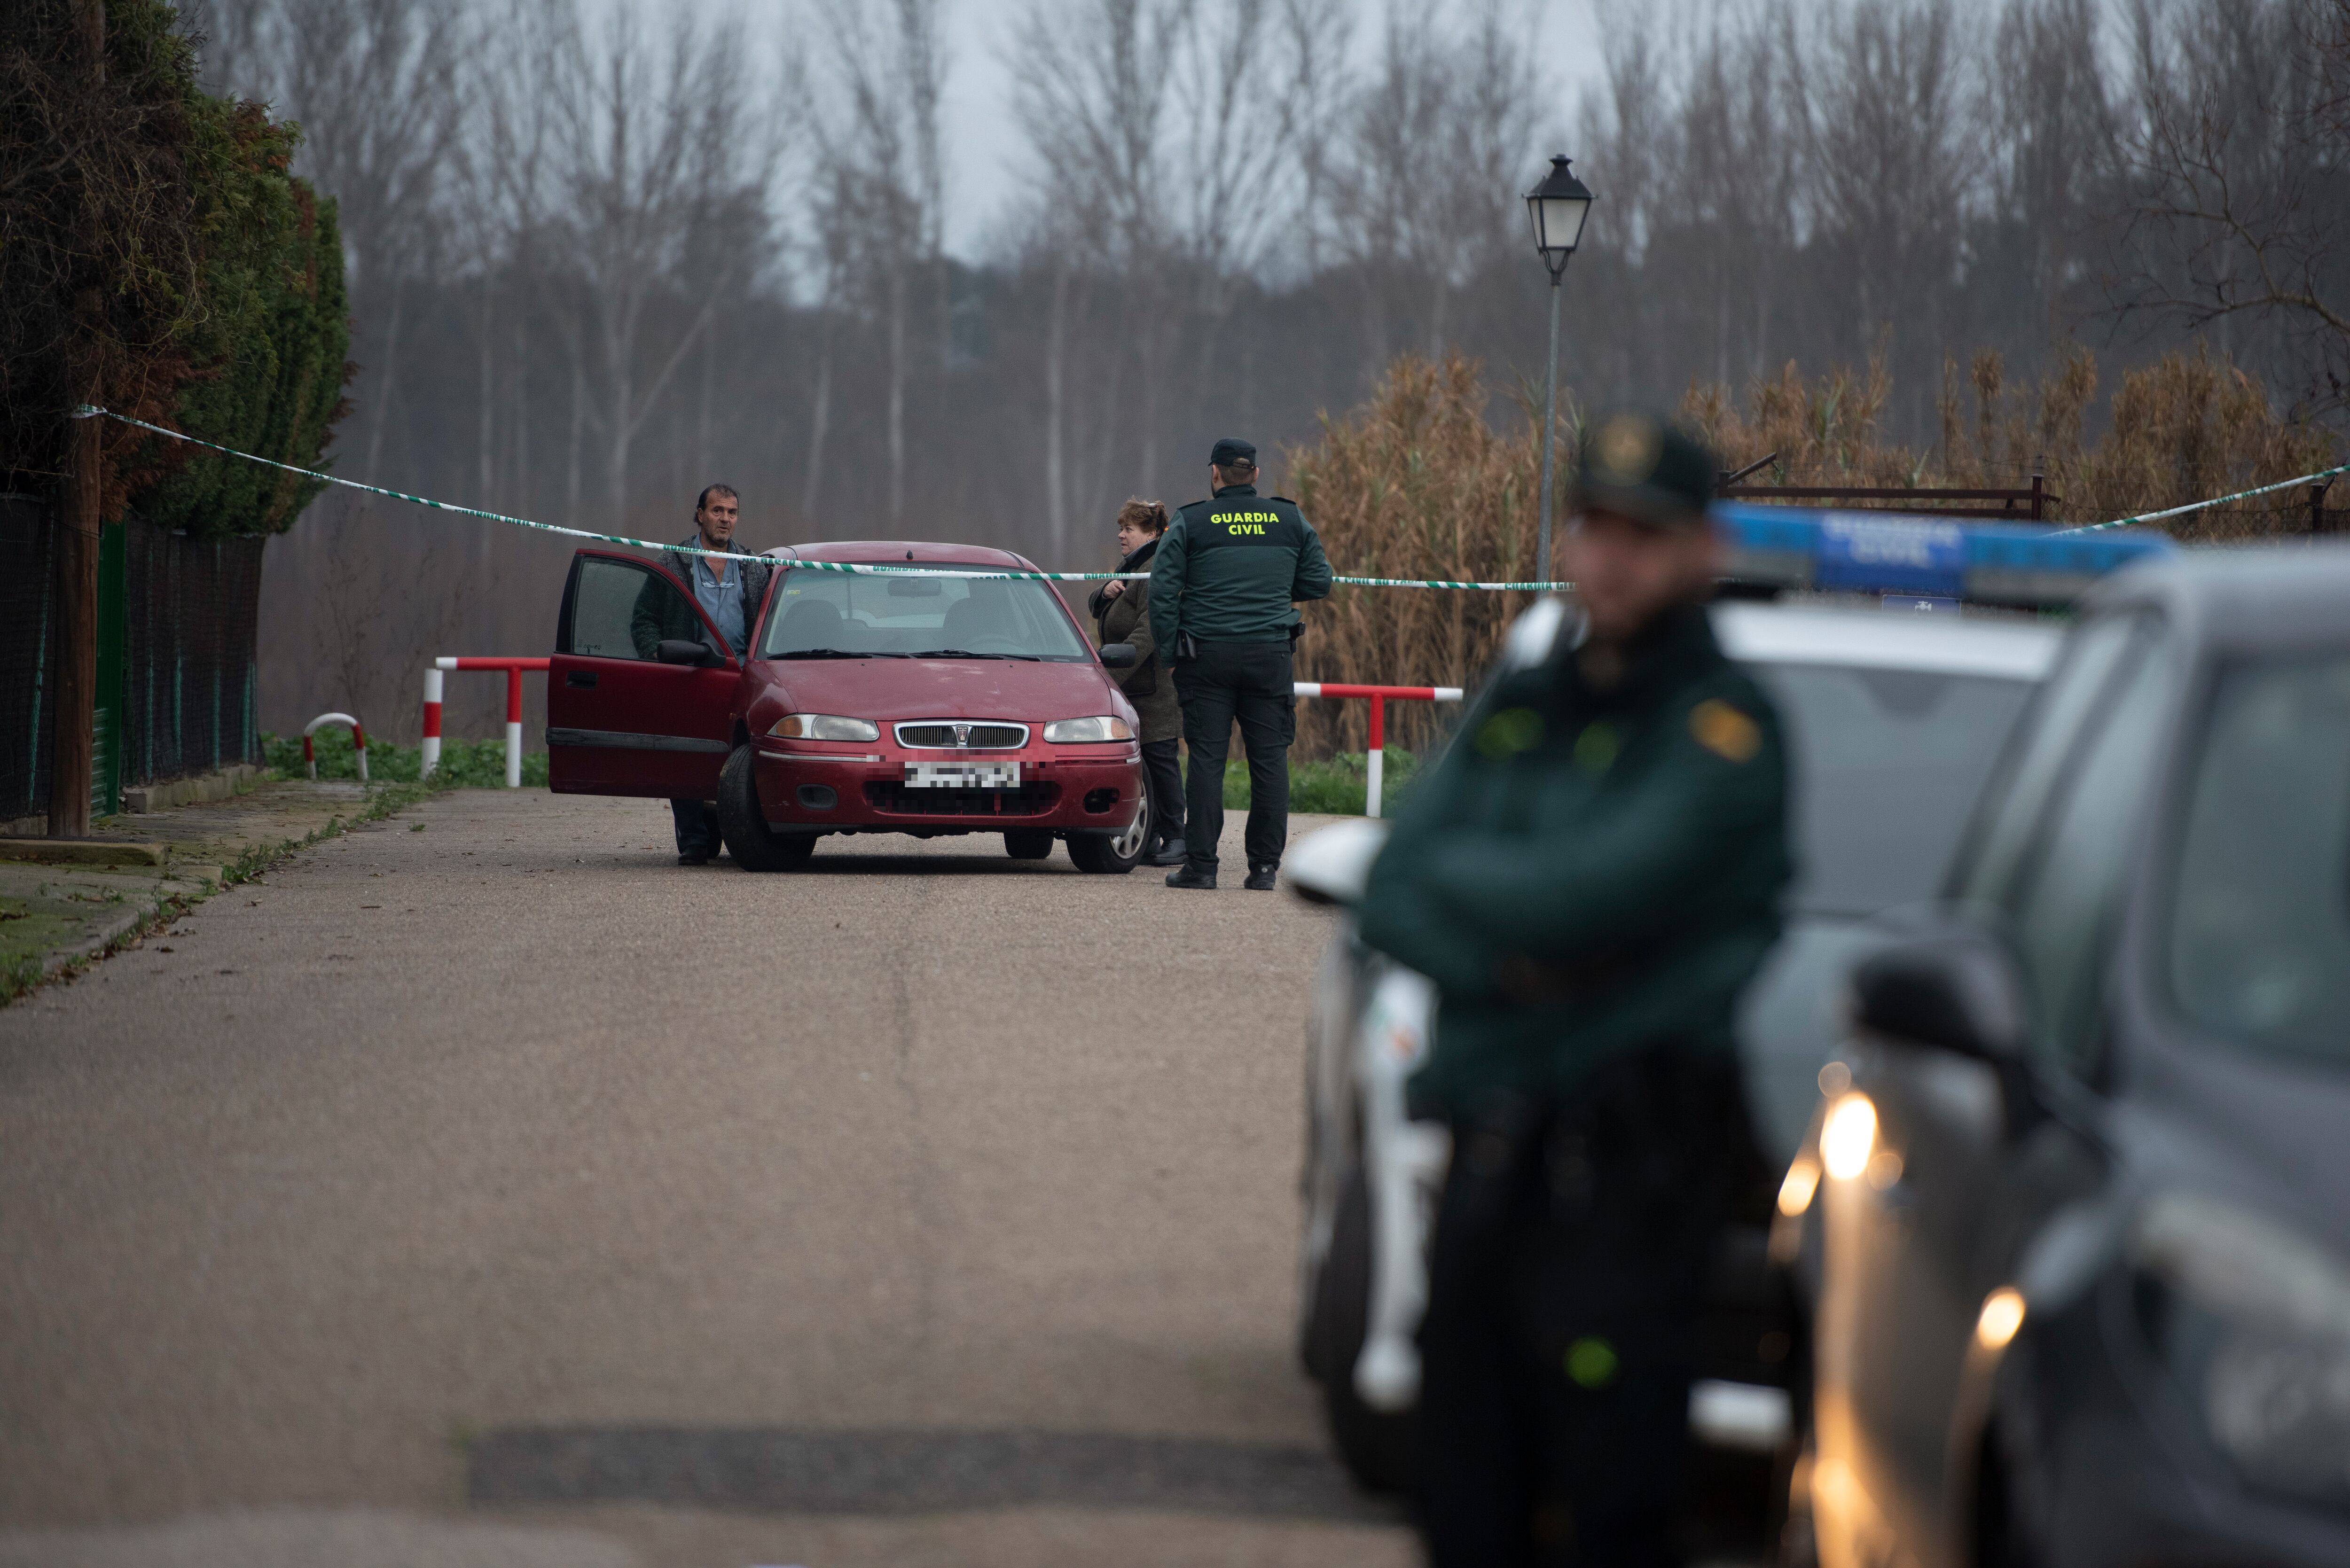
(579, 678)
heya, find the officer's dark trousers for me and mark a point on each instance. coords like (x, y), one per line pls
(1249, 681)
(1162, 773)
(696, 826)
(1570, 1258)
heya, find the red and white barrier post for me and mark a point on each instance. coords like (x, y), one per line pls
(432, 721)
(514, 669)
(309, 751)
(1378, 697)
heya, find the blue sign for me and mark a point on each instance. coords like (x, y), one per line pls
(1891, 555)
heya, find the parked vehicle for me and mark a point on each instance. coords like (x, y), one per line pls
(933, 705)
(1894, 720)
(2074, 1194)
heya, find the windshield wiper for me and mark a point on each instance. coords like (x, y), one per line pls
(835, 653)
(967, 653)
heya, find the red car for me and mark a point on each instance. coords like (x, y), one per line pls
(869, 703)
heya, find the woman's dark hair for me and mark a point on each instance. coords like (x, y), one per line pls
(1149, 515)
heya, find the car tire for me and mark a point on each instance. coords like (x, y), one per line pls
(1113, 854)
(1374, 1445)
(1028, 843)
(743, 822)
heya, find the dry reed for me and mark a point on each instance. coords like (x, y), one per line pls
(1417, 482)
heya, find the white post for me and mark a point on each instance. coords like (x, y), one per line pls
(1377, 755)
(432, 721)
(1377, 778)
(514, 754)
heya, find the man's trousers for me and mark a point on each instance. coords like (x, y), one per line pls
(1569, 1266)
(1250, 681)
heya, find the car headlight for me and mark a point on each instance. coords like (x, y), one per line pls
(1071, 731)
(2254, 1322)
(824, 727)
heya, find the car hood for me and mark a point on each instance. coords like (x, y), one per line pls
(884, 689)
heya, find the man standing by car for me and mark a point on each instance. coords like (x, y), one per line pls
(730, 593)
(1590, 877)
(1224, 592)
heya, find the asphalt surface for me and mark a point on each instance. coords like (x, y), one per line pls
(483, 1187)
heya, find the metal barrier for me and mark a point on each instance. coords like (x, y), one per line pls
(514, 669)
(359, 743)
(1379, 696)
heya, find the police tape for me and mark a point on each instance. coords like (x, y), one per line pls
(2199, 505)
(85, 411)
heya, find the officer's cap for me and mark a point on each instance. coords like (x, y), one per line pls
(1640, 465)
(1232, 453)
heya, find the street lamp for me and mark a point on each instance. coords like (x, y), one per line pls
(1556, 207)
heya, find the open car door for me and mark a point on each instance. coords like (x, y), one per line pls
(619, 721)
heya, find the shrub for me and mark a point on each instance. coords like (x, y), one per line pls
(465, 765)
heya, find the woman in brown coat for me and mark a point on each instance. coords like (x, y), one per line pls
(1122, 610)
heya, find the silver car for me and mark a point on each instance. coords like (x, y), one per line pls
(1894, 720)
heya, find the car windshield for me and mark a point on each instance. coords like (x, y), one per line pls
(831, 615)
(2259, 940)
(1886, 764)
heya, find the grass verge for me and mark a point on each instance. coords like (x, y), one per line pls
(21, 976)
(1334, 787)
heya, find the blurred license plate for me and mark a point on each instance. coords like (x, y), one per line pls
(962, 775)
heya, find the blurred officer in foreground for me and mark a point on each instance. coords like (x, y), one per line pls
(1590, 877)
(1223, 587)
(730, 592)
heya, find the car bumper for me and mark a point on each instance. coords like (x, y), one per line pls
(863, 789)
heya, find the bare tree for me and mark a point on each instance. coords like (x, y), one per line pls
(883, 175)
(2239, 164)
(650, 142)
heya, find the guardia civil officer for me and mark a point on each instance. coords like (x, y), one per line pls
(1224, 592)
(1590, 876)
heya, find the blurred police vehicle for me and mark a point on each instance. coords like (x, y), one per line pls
(2076, 1195)
(1896, 718)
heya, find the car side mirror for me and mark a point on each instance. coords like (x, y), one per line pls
(685, 651)
(1956, 991)
(1118, 656)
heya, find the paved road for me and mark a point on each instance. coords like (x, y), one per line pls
(485, 1187)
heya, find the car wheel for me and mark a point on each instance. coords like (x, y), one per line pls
(1028, 843)
(743, 822)
(1374, 1445)
(1113, 854)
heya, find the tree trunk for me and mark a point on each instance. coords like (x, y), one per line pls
(385, 381)
(819, 419)
(78, 530)
(1057, 336)
(897, 395)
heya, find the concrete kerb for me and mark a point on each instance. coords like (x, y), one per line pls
(66, 913)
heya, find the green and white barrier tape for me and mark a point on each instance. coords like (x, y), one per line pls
(86, 411)
(2199, 505)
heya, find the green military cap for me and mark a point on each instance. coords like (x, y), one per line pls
(1640, 465)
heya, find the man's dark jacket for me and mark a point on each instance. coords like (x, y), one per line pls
(1587, 872)
(1229, 569)
(661, 616)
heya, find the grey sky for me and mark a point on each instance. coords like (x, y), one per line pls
(984, 146)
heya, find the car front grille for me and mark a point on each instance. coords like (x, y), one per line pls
(897, 800)
(964, 734)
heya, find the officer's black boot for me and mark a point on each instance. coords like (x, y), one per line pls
(1187, 876)
(1262, 877)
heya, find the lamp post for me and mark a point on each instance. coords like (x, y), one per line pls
(1557, 207)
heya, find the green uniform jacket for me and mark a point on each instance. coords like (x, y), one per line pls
(1584, 874)
(1230, 569)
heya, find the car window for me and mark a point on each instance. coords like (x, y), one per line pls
(877, 614)
(2258, 939)
(2034, 761)
(1885, 764)
(605, 621)
(2070, 885)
